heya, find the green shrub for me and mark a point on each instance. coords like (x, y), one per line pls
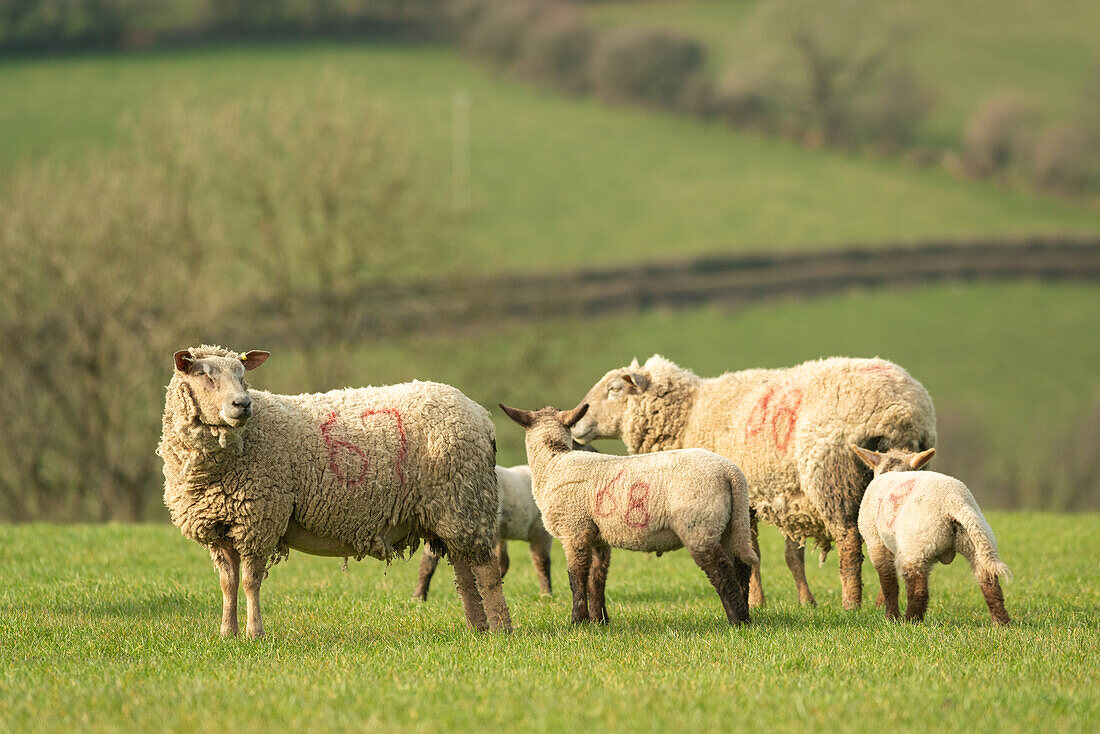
(1001, 133)
(647, 66)
(557, 51)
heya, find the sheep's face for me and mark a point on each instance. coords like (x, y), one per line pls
(547, 427)
(610, 401)
(217, 386)
(894, 459)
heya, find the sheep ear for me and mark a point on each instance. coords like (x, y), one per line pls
(254, 358)
(637, 379)
(921, 459)
(569, 417)
(870, 458)
(523, 417)
(183, 360)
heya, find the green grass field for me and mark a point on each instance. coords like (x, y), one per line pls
(114, 628)
(555, 182)
(966, 51)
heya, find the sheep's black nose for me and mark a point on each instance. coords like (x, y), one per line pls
(244, 403)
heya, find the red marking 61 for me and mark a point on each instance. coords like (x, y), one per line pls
(636, 511)
(776, 414)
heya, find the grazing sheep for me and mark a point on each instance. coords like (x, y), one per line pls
(519, 519)
(911, 519)
(359, 472)
(788, 430)
(655, 503)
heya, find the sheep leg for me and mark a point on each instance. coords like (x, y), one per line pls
(228, 562)
(428, 561)
(252, 568)
(472, 604)
(578, 559)
(916, 595)
(995, 600)
(883, 561)
(756, 586)
(597, 582)
(719, 568)
(796, 561)
(468, 593)
(540, 541)
(850, 549)
(503, 561)
(487, 575)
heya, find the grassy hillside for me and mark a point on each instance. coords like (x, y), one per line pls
(966, 51)
(555, 182)
(114, 628)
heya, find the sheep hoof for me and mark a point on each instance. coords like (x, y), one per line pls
(546, 595)
(228, 633)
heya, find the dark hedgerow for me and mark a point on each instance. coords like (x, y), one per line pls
(646, 66)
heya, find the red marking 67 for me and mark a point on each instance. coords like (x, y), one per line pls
(636, 511)
(776, 415)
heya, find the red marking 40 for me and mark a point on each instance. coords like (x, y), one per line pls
(635, 512)
(775, 415)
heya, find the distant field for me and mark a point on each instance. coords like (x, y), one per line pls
(555, 182)
(114, 628)
(966, 51)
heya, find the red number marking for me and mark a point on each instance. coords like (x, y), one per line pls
(884, 369)
(758, 418)
(605, 494)
(334, 446)
(894, 498)
(638, 494)
(399, 460)
(782, 420)
(785, 417)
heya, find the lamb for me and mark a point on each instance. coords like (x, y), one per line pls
(689, 498)
(789, 431)
(519, 519)
(358, 472)
(911, 519)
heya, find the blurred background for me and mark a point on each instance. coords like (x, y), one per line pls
(515, 197)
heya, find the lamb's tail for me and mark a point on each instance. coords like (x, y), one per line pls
(738, 535)
(987, 563)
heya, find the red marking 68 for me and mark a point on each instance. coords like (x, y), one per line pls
(636, 511)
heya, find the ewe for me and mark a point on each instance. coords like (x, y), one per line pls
(358, 472)
(654, 503)
(787, 429)
(912, 519)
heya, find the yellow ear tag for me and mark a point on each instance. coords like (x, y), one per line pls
(243, 357)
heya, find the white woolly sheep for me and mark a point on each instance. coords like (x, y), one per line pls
(656, 503)
(788, 430)
(911, 519)
(519, 519)
(358, 472)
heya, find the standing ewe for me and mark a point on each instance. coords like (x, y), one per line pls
(788, 429)
(358, 472)
(911, 519)
(656, 503)
(519, 519)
